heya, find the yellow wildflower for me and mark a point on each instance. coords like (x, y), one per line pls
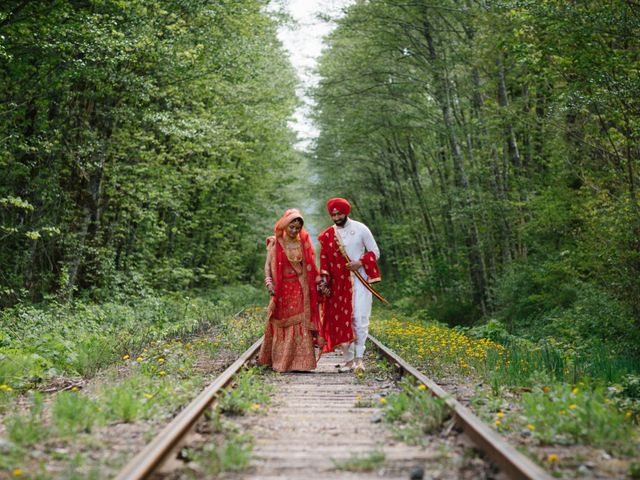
(255, 407)
(574, 391)
(139, 359)
(628, 414)
(531, 427)
(552, 458)
(6, 388)
(148, 396)
(125, 357)
(74, 389)
(422, 386)
(383, 401)
(162, 372)
(500, 414)
(573, 406)
(161, 360)
(17, 472)
(498, 422)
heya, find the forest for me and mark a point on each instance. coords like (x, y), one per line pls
(491, 146)
(494, 149)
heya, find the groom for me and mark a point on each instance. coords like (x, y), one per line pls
(345, 247)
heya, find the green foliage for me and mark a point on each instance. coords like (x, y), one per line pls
(74, 412)
(41, 342)
(232, 456)
(566, 415)
(546, 301)
(28, 429)
(248, 394)
(125, 402)
(489, 151)
(626, 396)
(414, 412)
(140, 142)
(364, 462)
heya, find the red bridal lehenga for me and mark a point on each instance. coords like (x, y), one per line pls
(292, 316)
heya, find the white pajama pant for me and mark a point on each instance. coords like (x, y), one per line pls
(362, 300)
(360, 330)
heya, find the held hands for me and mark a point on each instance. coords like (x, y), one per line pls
(323, 288)
(354, 265)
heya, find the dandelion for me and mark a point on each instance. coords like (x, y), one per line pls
(498, 423)
(628, 413)
(74, 389)
(500, 414)
(575, 390)
(139, 359)
(383, 401)
(546, 389)
(255, 407)
(148, 396)
(552, 458)
(573, 406)
(563, 412)
(422, 386)
(162, 372)
(161, 360)
(17, 472)
(5, 388)
(531, 427)
(125, 357)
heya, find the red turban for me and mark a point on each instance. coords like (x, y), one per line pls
(339, 204)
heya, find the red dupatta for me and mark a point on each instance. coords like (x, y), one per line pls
(281, 265)
(338, 308)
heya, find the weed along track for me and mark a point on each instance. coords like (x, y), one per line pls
(388, 422)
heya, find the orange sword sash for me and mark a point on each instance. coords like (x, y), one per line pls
(357, 273)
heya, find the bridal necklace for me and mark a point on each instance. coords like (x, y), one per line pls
(292, 249)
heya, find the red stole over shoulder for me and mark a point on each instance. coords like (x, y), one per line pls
(337, 309)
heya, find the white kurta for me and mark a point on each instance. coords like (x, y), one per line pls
(357, 240)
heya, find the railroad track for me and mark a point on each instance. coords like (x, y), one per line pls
(294, 452)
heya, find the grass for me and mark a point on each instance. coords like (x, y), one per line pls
(546, 392)
(441, 351)
(28, 429)
(232, 455)
(38, 343)
(579, 415)
(413, 412)
(74, 412)
(148, 366)
(230, 450)
(248, 394)
(366, 462)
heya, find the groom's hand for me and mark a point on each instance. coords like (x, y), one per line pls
(355, 265)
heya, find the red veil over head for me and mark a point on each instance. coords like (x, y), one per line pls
(309, 260)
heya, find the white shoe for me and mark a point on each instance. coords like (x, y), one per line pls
(347, 367)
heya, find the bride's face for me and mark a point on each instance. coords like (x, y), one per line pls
(293, 229)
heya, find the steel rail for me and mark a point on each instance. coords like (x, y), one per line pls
(512, 462)
(156, 452)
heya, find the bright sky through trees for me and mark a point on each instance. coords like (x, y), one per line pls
(304, 41)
